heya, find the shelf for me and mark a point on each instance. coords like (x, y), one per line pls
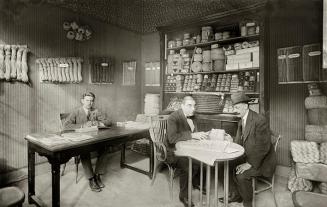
(301, 82)
(213, 72)
(209, 93)
(226, 41)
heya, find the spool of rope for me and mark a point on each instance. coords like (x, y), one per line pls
(206, 56)
(316, 133)
(304, 151)
(317, 116)
(196, 67)
(323, 152)
(314, 102)
(295, 183)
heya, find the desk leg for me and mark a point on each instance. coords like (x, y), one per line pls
(201, 184)
(226, 182)
(31, 174)
(122, 157)
(55, 170)
(189, 182)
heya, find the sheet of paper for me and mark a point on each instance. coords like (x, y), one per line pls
(76, 137)
(49, 139)
(87, 129)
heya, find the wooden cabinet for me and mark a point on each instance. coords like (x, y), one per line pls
(214, 55)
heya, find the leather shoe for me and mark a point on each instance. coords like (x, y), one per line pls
(232, 199)
(93, 185)
(184, 200)
(99, 181)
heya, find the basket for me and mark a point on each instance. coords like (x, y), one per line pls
(323, 152)
(141, 146)
(304, 151)
(295, 183)
(316, 133)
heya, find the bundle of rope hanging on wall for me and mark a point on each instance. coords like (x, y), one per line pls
(13, 63)
(60, 70)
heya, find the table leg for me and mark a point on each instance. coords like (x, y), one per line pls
(216, 184)
(208, 185)
(55, 171)
(189, 182)
(31, 174)
(201, 183)
(226, 182)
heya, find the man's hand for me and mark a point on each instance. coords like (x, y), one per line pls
(88, 124)
(227, 137)
(199, 135)
(242, 168)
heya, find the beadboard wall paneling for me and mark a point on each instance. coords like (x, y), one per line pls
(150, 53)
(26, 109)
(290, 25)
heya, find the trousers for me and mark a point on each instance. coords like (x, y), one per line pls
(99, 166)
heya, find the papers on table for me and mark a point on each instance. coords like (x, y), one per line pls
(56, 139)
(87, 129)
(76, 137)
(208, 151)
(136, 125)
(48, 139)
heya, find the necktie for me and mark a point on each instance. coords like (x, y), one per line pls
(88, 115)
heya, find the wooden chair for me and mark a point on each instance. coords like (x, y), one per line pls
(11, 196)
(268, 183)
(158, 133)
(77, 159)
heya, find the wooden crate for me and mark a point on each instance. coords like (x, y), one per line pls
(311, 62)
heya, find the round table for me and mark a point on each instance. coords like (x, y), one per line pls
(209, 152)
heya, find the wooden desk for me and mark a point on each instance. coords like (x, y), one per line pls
(61, 153)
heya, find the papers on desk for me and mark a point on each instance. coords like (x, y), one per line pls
(48, 139)
(76, 137)
(136, 125)
(87, 129)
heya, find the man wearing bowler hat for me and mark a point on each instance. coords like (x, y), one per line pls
(259, 158)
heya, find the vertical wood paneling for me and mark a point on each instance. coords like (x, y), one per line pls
(25, 109)
(287, 112)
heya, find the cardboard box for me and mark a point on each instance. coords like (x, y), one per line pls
(233, 66)
(244, 65)
(247, 50)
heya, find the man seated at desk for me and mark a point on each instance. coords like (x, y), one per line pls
(181, 128)
(259, 157)
(87, 116)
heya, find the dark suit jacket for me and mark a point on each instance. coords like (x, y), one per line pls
(259, 151)
(78, 117)
(178, 130)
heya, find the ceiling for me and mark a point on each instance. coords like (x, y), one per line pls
(143, 16)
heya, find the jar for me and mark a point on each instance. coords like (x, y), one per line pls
(197, 57)
(206, 67)
(217, 54)
(206, 56)
(226, 35)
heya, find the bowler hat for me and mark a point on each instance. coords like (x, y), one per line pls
(239, 97)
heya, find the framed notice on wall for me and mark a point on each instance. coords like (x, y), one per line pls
(129, 69)
(152, 74)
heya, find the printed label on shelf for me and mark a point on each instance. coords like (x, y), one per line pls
(104, 64)
(63, 65)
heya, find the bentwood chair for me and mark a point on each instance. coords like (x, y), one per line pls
(158, 133)
(268, 183)
(77, 159)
